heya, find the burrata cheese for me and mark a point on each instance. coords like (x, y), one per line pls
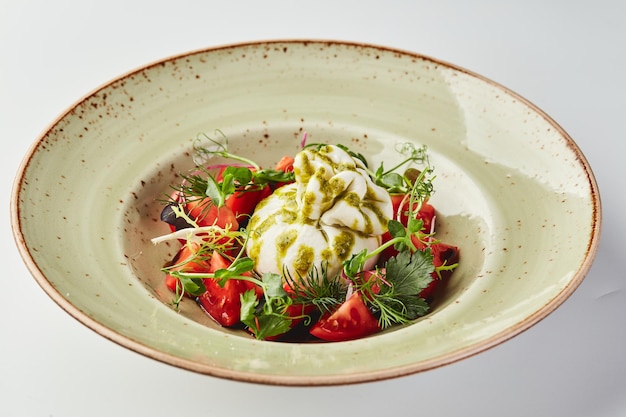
(332, 211)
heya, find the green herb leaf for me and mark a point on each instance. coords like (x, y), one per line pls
(216, 148)
(234, 271)
(266, 176)
(271, 325)
(410, 273)
(227, 186)
(393, 182)
(241, 266)
(249, 302)
(273, 285)
(267, 321)
(241, 175)
(193, 286)
(214, 192)
(318, 289)
(355, 264)
(396, 228)
(414, 225)
(354, 154)
(380, 171)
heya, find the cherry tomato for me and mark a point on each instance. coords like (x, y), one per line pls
(285, 164)
(352, 320)
(205, 213)
(400, 204)
(223, 304)
(426, 214)
(243, 203)
(182, 262)
(443, 253)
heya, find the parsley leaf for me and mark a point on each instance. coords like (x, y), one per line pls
(398, 299)
(265, 319)
(410, 273)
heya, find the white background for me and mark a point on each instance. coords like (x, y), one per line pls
(567, 57)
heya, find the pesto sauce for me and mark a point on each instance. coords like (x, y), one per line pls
(374, 208)
(352, 199)
(370, 197)
(336, 185)
(326, 255)
(343, 244)
(259, 225)
(304, 169)
(285, 240)
(254, 251)
(304, 260)
(308, 200)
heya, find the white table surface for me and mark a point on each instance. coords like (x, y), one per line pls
(567, 57)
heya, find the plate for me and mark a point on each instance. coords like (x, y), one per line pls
(513, 191)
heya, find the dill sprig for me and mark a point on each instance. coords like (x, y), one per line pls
(317, 288)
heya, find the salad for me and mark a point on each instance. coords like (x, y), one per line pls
(319, 247)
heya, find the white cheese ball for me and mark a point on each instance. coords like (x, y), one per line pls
(332, 211)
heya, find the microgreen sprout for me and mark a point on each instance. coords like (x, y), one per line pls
(204, 152)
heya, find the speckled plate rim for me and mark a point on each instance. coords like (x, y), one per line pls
(322, 380)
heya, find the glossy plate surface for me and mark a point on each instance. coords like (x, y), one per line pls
(513, 191)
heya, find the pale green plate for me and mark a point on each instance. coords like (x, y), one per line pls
(513, 191)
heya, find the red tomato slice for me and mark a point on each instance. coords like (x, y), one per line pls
(173, 283)
(426, 212)
(181, 262)
(443, 253)
(285, 164)
(297, 310)
(206, 213)
(223, 304)
(352, 320)
(243, 203)
(427, 215)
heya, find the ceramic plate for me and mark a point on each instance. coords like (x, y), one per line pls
(513, 191)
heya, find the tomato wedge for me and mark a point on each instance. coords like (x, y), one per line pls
(285, 164)
(443, 254)
(205, 213)
(243, 202)
(401, 206)
(223, 304)
(352, 320)
(426, 214)
(182, 262)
